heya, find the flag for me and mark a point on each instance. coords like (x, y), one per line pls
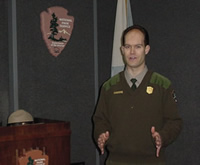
(123, 20)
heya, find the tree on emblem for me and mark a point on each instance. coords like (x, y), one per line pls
(30, 161)
(54, 30)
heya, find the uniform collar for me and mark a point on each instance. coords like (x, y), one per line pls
(139, 77)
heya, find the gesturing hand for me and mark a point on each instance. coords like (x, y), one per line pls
(158, 141)
(101, 141)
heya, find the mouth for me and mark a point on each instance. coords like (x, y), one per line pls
(132, 58)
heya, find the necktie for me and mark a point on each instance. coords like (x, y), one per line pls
(133, 80)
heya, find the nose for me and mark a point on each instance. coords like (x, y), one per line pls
(132, 49)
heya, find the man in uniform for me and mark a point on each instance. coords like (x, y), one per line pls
(136, 115)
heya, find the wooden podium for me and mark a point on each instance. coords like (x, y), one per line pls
(50, 136)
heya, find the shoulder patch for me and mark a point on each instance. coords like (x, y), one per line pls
(160, 80)
(174, 96)
(112, 81)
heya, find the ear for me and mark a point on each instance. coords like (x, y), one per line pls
(122, 50)
(147, 49)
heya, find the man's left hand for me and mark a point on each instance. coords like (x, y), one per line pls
(158, 141)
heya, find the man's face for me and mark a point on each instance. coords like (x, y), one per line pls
(134, 49)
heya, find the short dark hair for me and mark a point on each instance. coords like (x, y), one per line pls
(138, 27)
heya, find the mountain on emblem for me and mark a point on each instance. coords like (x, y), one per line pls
(56, 27)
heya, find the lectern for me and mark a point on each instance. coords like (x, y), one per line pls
(50, 136)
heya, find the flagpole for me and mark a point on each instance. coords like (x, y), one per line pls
(13, 66)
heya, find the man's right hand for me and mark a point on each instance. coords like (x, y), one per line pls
(102, 140)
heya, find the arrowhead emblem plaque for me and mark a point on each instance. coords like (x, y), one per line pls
(56, 26)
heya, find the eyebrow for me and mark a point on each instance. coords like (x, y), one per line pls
(134, 45)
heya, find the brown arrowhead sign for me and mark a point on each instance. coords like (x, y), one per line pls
(56, 27)
(34, 157)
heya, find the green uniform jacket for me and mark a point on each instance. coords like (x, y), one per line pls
(129, 115)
